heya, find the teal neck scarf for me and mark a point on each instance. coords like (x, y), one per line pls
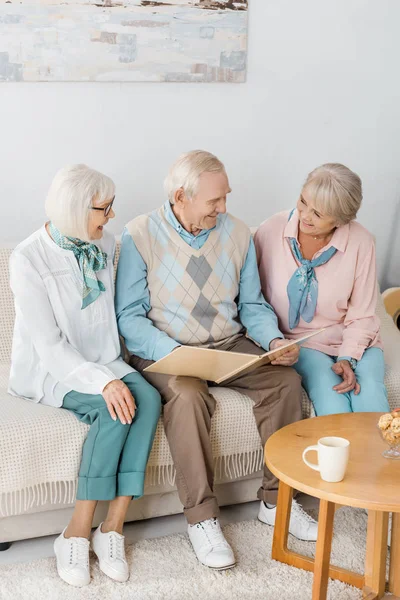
(90, 259)
(302, 289)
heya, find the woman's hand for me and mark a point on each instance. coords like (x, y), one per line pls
(119, 401)
(287, 359)
(344, 370)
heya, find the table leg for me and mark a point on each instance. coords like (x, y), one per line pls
(281, 530)
(394, 574)
(323, 550)
(281, 552)
(375, 560)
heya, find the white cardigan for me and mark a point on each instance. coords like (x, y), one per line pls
(57, 346)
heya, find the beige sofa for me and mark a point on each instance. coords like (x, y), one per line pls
(40, 447)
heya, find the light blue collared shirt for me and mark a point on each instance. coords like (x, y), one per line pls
(132, 298)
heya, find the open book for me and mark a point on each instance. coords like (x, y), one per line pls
(218, 366)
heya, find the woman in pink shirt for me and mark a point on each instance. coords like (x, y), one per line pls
(318, 270)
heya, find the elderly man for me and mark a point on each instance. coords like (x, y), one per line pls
(187, 275)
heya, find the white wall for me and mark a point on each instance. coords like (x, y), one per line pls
(323, 85)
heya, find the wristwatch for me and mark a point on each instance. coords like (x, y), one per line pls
(352, 361)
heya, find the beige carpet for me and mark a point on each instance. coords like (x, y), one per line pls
(166, 569)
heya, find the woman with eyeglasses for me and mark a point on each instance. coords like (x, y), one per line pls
(66, 353)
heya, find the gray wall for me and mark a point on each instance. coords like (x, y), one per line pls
(323, 85)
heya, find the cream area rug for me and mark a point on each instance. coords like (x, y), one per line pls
(166, 569)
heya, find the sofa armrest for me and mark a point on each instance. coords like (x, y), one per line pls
(390, 336)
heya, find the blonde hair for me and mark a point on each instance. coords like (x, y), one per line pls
(73, 191)
(336, 191)
(185, 172)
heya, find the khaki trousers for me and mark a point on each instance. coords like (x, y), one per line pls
(188, 409)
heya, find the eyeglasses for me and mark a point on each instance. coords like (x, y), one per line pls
(106, 209)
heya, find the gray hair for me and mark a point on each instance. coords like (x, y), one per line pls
(185, 172)
(73, 191)
(336, 191)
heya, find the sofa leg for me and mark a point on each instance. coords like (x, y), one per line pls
(4, 546)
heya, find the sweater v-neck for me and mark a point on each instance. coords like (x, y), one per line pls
(179, 241)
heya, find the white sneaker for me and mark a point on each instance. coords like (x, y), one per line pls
(110, 550)
(301, 525)
(72, 556)
(210, 546)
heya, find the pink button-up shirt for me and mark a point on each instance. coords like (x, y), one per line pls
(347, 287)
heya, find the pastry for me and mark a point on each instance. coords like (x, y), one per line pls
(389, 424)
(385, 421)
(395, 425)
(390, 437)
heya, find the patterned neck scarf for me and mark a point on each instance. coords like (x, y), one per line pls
(90, 259)
(302, 289)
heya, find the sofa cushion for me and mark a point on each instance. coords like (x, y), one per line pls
(40, 446)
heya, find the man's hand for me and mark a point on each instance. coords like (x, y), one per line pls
(119, 401)
(289, 358)
(344, 370)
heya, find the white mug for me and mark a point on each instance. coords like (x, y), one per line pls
(333, 456)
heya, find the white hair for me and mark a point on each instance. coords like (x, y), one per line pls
(336, 191)
(185, 172)
(73, 191)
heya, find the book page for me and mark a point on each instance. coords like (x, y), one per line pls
(204, 363)
(214, 365)
(266, 358)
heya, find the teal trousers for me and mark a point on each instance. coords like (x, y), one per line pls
(114, 456)
(318, 379)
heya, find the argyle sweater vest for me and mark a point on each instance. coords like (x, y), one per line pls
(193, 293)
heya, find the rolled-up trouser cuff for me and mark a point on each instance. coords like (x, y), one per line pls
(131, 484)
(107, 488)
(96, 488)
(202, 512)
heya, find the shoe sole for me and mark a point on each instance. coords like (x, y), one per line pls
(65, 576)
(225, 568)
(297, 538)
(112, 573)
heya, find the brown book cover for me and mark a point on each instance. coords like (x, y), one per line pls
(218, 366)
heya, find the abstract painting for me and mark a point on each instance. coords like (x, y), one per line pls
(123, 40)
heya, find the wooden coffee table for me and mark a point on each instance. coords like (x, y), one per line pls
(371, 482)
